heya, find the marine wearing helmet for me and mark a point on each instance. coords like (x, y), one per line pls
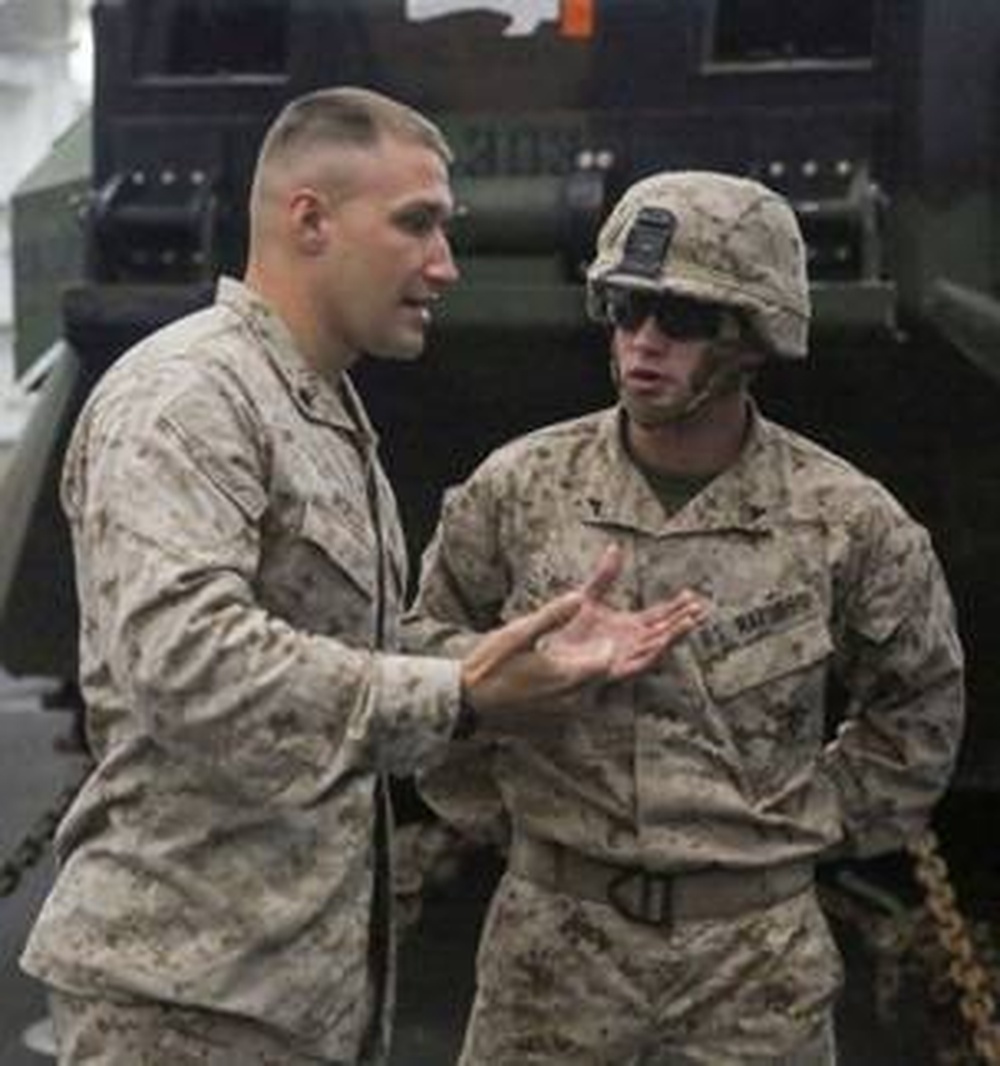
(715, 238)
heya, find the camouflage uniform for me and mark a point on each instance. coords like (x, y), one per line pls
(715, 759)
(716, 770)
(101, 1032)
(238, 558)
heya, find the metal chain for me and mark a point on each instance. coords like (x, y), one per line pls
(969, 976)
(34, 844)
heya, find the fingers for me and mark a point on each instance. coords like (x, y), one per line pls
(641, 657)
(665, 625)
(684, 603)
(688, 612)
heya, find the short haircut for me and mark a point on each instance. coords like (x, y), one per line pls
(347, 117)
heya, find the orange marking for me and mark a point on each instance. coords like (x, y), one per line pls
(577, 18)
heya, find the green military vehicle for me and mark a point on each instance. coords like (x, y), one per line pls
(877, 118)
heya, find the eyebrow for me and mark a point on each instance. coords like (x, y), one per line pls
(437, 212)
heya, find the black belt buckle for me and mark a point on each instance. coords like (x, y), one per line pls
(643, 897)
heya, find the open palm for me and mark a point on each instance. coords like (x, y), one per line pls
(628, 641)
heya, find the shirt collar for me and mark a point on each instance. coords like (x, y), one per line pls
(319, 398)
(742, 497)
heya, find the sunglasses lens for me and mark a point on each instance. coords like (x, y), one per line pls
(688, 320)
(676, 316)
(628, 309)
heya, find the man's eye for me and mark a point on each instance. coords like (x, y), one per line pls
(419, 223)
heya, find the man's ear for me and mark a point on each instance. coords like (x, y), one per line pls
(309, 216)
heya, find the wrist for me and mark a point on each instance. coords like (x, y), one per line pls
(467, 720)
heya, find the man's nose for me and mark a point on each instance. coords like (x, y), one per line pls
(441, 266)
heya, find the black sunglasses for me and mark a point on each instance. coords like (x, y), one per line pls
(678, 317)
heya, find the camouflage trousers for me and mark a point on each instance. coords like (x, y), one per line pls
(101, 1032)
(568, 982)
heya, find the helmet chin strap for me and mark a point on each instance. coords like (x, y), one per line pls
(726, 372)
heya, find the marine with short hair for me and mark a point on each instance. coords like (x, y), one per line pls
(223, 894)
(658, 906)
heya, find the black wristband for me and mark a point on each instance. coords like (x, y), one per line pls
(467, 721)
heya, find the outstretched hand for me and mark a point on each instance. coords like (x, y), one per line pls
(632, 640)
(572, 641)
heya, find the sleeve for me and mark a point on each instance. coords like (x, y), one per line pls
(464, 579)
(168, 543)
(902, 666)
(463, 585)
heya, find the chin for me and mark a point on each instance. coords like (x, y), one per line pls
(401, 351)
(651, 415)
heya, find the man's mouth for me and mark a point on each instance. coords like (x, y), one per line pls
(421, 305)
(645, 378)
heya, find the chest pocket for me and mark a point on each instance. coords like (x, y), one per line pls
(776, 639)
(345, 544)
(321, 574)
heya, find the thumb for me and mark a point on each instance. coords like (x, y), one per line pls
(609, 567)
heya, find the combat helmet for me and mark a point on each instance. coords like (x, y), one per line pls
(712, 237)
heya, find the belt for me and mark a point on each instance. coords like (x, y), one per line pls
(651, 897)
